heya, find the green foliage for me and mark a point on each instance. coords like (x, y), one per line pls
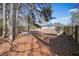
(47, 11)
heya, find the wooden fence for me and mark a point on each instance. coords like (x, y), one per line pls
(73, 31)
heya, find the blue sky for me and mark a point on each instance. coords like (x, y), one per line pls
(61, 12)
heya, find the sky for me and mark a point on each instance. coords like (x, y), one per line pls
(61, 12)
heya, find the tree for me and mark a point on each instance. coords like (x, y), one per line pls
(75, 21)
(45, 10)
(11, 23)
(4, 20)
(43, 13)
(17, 8)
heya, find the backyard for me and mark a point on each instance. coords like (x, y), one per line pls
(27, 29)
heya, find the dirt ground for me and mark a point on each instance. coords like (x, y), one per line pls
(29, 45)
(24, 46)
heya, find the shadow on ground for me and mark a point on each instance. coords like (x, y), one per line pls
(32, 45)
(62, 45)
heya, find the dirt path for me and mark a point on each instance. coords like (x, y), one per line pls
(26, 46)
(29, 45)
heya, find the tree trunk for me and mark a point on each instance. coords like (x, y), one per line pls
(28, 23)
(10, 23)
(14, 27)
(4, 20)
(76, 33)
(17, 11)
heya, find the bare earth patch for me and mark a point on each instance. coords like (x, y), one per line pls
(25, 46)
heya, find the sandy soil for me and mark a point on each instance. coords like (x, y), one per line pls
(25, 45)
(28, 45)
